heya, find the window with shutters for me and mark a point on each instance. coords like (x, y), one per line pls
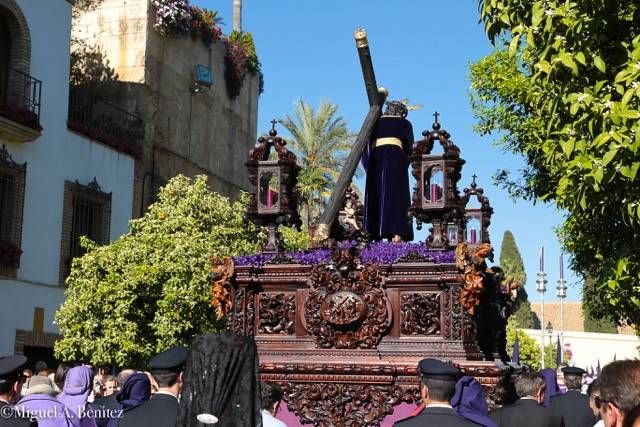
(12, 182)
(87, 212)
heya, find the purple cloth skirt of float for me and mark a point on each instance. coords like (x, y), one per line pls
(387, 194)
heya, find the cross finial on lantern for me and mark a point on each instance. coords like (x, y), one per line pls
(273, 131)
(473, 182)
(436, 124)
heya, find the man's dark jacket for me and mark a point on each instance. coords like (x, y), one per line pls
(436, 416)
(525, 413)
(574, 408)
(159, 411)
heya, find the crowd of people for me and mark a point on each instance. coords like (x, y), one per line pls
(526, 398)
(217, 382)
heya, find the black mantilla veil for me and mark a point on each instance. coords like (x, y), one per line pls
(221, 378)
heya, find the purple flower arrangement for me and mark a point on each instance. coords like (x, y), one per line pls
(377, 253)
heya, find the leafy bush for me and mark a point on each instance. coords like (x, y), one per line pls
(150, 288)
(204, 25)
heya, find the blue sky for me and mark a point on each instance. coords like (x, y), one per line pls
(421, 50)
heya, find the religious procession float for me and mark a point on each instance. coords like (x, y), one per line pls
(341, 327)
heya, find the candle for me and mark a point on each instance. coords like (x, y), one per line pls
(269, 197)
(436, 193)
(541, 258)
(561, 268)
(474, 237)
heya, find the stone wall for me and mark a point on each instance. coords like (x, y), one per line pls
(205, 133)
(119, 28)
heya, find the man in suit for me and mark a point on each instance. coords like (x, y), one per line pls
(437, 387)
(619, 392)
(573, 406)
(527, 411)
(10, 385)
(162, 409)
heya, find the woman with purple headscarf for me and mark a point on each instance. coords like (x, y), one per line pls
(134, 392)
(470, 403)
(552, 388)
(75, 392)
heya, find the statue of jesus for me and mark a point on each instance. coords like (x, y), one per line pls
(386, 162)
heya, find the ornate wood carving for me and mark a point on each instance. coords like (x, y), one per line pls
(277, 313)
(251, 313)
(347, 306)
(471, 262)
(457, 315)
(221, 273)
(238, 314)
(420, 313)
(330, 404)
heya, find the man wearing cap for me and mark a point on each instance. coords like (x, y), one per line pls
(573, 406)
(527, 411)
(437, 387)
(10, 368)
(162, 409)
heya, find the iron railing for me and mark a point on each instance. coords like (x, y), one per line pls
(20, 96)
(105, 122)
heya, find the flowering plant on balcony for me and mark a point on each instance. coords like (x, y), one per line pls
(10, 254)
(204, 25)
(21, 115)
(241, 57)
(173, 17)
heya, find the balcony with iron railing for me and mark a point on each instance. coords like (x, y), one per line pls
(105, 122)
(20, 96)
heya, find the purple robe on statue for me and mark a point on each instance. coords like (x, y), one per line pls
(387, 196)
(470, 403)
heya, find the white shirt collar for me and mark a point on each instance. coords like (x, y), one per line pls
(439, 405)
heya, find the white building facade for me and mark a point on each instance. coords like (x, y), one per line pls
(65, 171)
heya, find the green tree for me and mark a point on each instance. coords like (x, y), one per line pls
(150, 288)
(511, 263)
(562, 90)
(322, 142)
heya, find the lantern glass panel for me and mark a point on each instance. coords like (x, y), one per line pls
(452, 234)
(269, 190)
(473, 203)
(433, 184)
(473, 232)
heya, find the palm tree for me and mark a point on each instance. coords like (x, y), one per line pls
(322, 142)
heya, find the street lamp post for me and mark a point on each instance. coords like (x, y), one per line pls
(561, 294)
(549, 329)
(541, 287)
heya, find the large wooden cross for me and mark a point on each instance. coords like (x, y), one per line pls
(376, 96)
